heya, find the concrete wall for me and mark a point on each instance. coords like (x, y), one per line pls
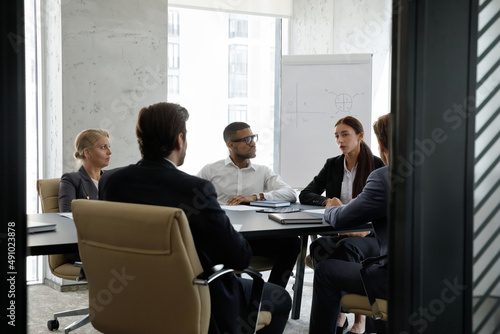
(114, 61)
(343, 27)
(107, 59)
(103, 60)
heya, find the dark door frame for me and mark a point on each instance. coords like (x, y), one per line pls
(13, 162)
(433, 107)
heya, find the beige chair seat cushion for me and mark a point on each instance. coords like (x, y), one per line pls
(67, 271)
(262, 263)
(360, 305)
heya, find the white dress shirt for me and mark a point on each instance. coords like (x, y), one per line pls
(346, 190)
(229, 180)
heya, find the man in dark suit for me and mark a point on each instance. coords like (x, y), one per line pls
(161, 133)
(332, 277)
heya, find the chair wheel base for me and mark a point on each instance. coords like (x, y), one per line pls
(53, 325)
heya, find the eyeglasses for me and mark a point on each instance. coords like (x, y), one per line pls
(248, 139)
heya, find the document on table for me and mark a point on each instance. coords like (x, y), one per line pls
(66, 214)
(240, 207)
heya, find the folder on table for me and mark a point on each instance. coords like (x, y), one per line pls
(296, 218)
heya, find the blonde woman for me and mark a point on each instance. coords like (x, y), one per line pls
(92, 150)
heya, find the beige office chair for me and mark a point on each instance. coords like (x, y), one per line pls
(359, 304)
(48, 190)
(368, 305)
(143, 271)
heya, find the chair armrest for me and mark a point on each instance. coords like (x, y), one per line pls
(365, 278)
(255, 295)
(213, 273)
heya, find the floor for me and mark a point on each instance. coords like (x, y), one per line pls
(43, 301)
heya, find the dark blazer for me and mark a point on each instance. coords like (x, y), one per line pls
(369, 206)
(161, 183)
(330, 179)
(75, 185)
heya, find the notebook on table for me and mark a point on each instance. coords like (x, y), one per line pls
(36, 227)
(296, 218)
(271, 204)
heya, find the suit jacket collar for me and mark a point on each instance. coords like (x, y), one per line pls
(159, 163)
(85, 176)
(88, 184)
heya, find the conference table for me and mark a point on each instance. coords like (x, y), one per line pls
(249, 222)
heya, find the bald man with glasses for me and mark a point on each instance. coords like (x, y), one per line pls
(238, 181)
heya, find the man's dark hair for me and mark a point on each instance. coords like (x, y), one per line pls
(158, 127)
(231, 129)
(381, 129)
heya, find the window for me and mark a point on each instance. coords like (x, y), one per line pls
(227, 62)
(34, 264)
(173, 55)
(173, 23)
(238, 64)
(238, 26)
(173, 84)
(237, 113)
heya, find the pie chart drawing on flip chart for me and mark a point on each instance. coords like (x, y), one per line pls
(317, 91)
(343, 102)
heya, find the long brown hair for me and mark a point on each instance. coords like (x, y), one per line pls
(365, 158)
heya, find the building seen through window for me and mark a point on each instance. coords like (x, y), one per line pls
(221, 67)
(238, 25)
(238, 67)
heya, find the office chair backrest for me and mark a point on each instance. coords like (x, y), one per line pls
(48, 190)
(140, 262)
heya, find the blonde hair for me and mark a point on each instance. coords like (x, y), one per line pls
(87, 139)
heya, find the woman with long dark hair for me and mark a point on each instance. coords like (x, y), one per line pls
(343, 176)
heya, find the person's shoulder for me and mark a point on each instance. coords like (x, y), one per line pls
(110, 173)
(192, 182)
(257, 166)
(380, 173)
(378, 162)
(335, 160)
(209, 171)
(214, 165)
(71, 176)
